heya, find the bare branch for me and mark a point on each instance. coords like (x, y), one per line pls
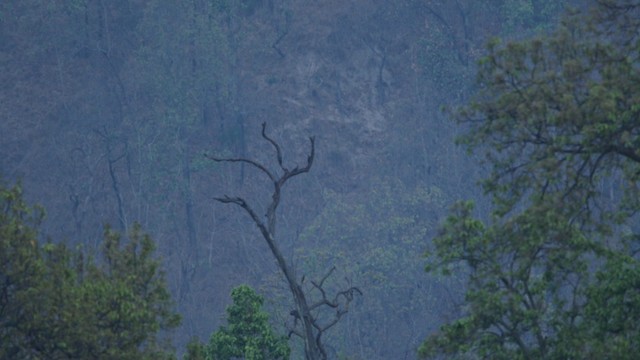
(243, 160)
(271, 211)
(347, 294)
(275, 145)
(236, 200)
(305, 323)
(243, 204)
(327, 275)
(296, 333)
(296, 170)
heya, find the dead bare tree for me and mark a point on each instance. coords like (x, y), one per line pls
(306, 316)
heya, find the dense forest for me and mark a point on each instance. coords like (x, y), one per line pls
(270, 179)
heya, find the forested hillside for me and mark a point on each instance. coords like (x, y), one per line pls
(108, 108)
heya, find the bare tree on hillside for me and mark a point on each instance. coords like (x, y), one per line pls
(306, 316)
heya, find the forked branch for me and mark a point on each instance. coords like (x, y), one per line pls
(306, 324)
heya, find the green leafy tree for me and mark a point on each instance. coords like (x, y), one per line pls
(248, 334)
(57, 305)
(21, 269)
(196, 350)
(555, 272)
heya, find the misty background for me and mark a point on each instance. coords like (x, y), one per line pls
(107, 107)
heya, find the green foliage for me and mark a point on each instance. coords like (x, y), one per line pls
(613, 309)
(553, 274)
(248, 334)
(195, 350)
(558, 113)
(518, 298)
(56, 304)
(21, 269)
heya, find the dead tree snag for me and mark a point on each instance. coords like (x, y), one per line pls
(306, 322)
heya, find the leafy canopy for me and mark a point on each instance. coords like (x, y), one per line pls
(559, 113)
(56, 304)
(555, 272)
(248, 334)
